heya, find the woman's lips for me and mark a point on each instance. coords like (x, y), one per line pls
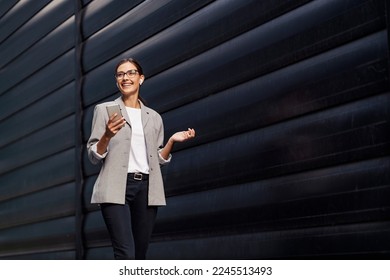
(127, 84)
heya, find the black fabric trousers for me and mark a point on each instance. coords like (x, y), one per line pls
(130, 225)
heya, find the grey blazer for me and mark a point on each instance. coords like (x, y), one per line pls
(110, 186)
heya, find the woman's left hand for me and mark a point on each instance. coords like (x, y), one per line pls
(182, 136)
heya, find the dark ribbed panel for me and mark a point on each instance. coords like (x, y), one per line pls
(290, 101)
(37, 146)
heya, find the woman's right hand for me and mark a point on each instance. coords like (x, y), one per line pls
(113, 126)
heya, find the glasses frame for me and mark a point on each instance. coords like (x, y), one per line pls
(131, 74)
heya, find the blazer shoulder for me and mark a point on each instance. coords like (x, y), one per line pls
(151, 111)
(104, 104)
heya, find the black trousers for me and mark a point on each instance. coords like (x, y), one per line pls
(130, 225)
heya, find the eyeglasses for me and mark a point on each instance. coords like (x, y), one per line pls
(130, 74)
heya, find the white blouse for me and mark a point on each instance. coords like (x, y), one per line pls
(138, 159)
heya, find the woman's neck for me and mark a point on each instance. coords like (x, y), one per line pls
(131, 101)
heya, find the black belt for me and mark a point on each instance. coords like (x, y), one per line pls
(138, 176)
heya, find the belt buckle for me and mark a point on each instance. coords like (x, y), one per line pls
(138, 176)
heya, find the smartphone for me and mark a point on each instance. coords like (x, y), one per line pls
(112, 109)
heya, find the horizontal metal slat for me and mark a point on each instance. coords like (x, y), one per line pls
(49, 204)
(40, 25)
(307, 87)
(45, 111)
(272, 202)
(45, 142)
(303, 143)
(54, 76)
(150, 17)
(54, 235)
(209, 27)
(55, 170)
(6, 7)
(328, 242)
(49, 255)
(17, 13)
(181, 85)
(53, 45)
(99, 14)
(180, 35)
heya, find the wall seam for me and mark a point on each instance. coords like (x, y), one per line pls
(79, 169)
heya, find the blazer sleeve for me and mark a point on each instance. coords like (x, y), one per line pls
(160, 140)
(97, 130)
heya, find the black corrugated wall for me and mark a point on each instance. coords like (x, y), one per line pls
(290, 100)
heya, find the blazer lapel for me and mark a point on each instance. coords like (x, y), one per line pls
(123, 109)
(145, 114)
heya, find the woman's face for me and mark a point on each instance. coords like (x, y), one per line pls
(128, 78)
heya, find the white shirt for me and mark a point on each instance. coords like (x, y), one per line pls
(138, 159)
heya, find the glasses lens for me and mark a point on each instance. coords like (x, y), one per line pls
(130, 74)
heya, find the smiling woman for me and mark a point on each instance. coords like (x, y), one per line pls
(130, 187)
(129, 76)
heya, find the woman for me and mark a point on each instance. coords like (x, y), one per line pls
(129, 186)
